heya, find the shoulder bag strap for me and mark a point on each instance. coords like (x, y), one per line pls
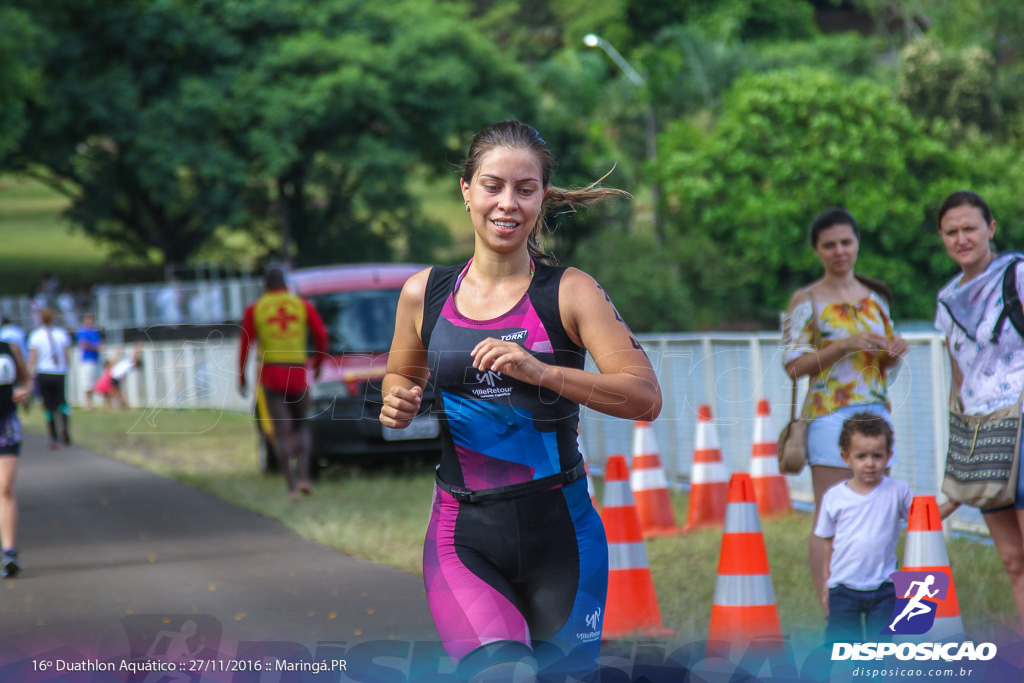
(815, 338)
(53, 348)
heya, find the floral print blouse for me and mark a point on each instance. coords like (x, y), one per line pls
(855, 379)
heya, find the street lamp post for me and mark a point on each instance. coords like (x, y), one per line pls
(594, 40)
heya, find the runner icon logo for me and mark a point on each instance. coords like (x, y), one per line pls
(917, 599)
(495, 385)
(593, 620)
(488, 377)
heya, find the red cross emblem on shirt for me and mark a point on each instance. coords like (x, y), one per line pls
(282, 318)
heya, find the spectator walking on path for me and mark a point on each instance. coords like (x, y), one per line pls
(15, 386)
(283, 324)
(516, 560)
(838, 331)
(49, 349)
(986, 352)
(89, 343)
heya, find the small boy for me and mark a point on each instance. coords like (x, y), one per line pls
(860, 522)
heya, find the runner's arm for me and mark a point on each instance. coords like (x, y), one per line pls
(407, 368)
(22, 378)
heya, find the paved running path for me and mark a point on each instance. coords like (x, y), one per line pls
(126, 567)
(113, 555)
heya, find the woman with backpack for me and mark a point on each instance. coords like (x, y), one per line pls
(985, 346)
(838, 332)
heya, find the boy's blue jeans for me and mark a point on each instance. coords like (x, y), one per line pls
(847, 607)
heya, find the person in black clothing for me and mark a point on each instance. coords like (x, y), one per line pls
(15, 386)
(516, 560)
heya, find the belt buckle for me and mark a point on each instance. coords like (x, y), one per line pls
(461, 495)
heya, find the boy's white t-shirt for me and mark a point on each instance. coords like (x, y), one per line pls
(121, 368)
(865, 530)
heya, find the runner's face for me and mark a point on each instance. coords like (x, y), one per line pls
(505, 198)
(837, 248)
(867, 457)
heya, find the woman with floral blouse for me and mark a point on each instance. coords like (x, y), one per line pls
(838, 332)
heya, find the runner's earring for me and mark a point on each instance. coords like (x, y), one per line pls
(467, 207)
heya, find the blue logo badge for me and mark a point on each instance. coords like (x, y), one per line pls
(918, 595)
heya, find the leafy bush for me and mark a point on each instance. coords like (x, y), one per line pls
(956, 85)
(643, 279)
(788, 145)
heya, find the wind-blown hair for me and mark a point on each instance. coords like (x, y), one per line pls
(518, 135)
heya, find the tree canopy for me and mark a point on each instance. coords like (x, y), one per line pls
(164, 120)
(788, 145)
(17, 50)
(177, 125)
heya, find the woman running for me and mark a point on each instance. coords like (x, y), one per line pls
(515, 560)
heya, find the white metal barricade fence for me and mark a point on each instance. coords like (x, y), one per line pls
(728, 372)
(731, 372)
(174, 303)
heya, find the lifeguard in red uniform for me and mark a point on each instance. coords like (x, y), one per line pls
(282, 323)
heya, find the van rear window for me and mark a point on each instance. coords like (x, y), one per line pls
(362, 321)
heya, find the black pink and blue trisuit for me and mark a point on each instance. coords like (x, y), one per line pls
(524, 567)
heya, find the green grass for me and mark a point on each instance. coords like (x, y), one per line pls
(36, 240)
(381, 515)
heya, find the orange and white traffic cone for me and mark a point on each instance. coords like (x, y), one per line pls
(744, 609)
(650, 487)
(925, 551)
(709, 480)
(769, 484)
(632, 605)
